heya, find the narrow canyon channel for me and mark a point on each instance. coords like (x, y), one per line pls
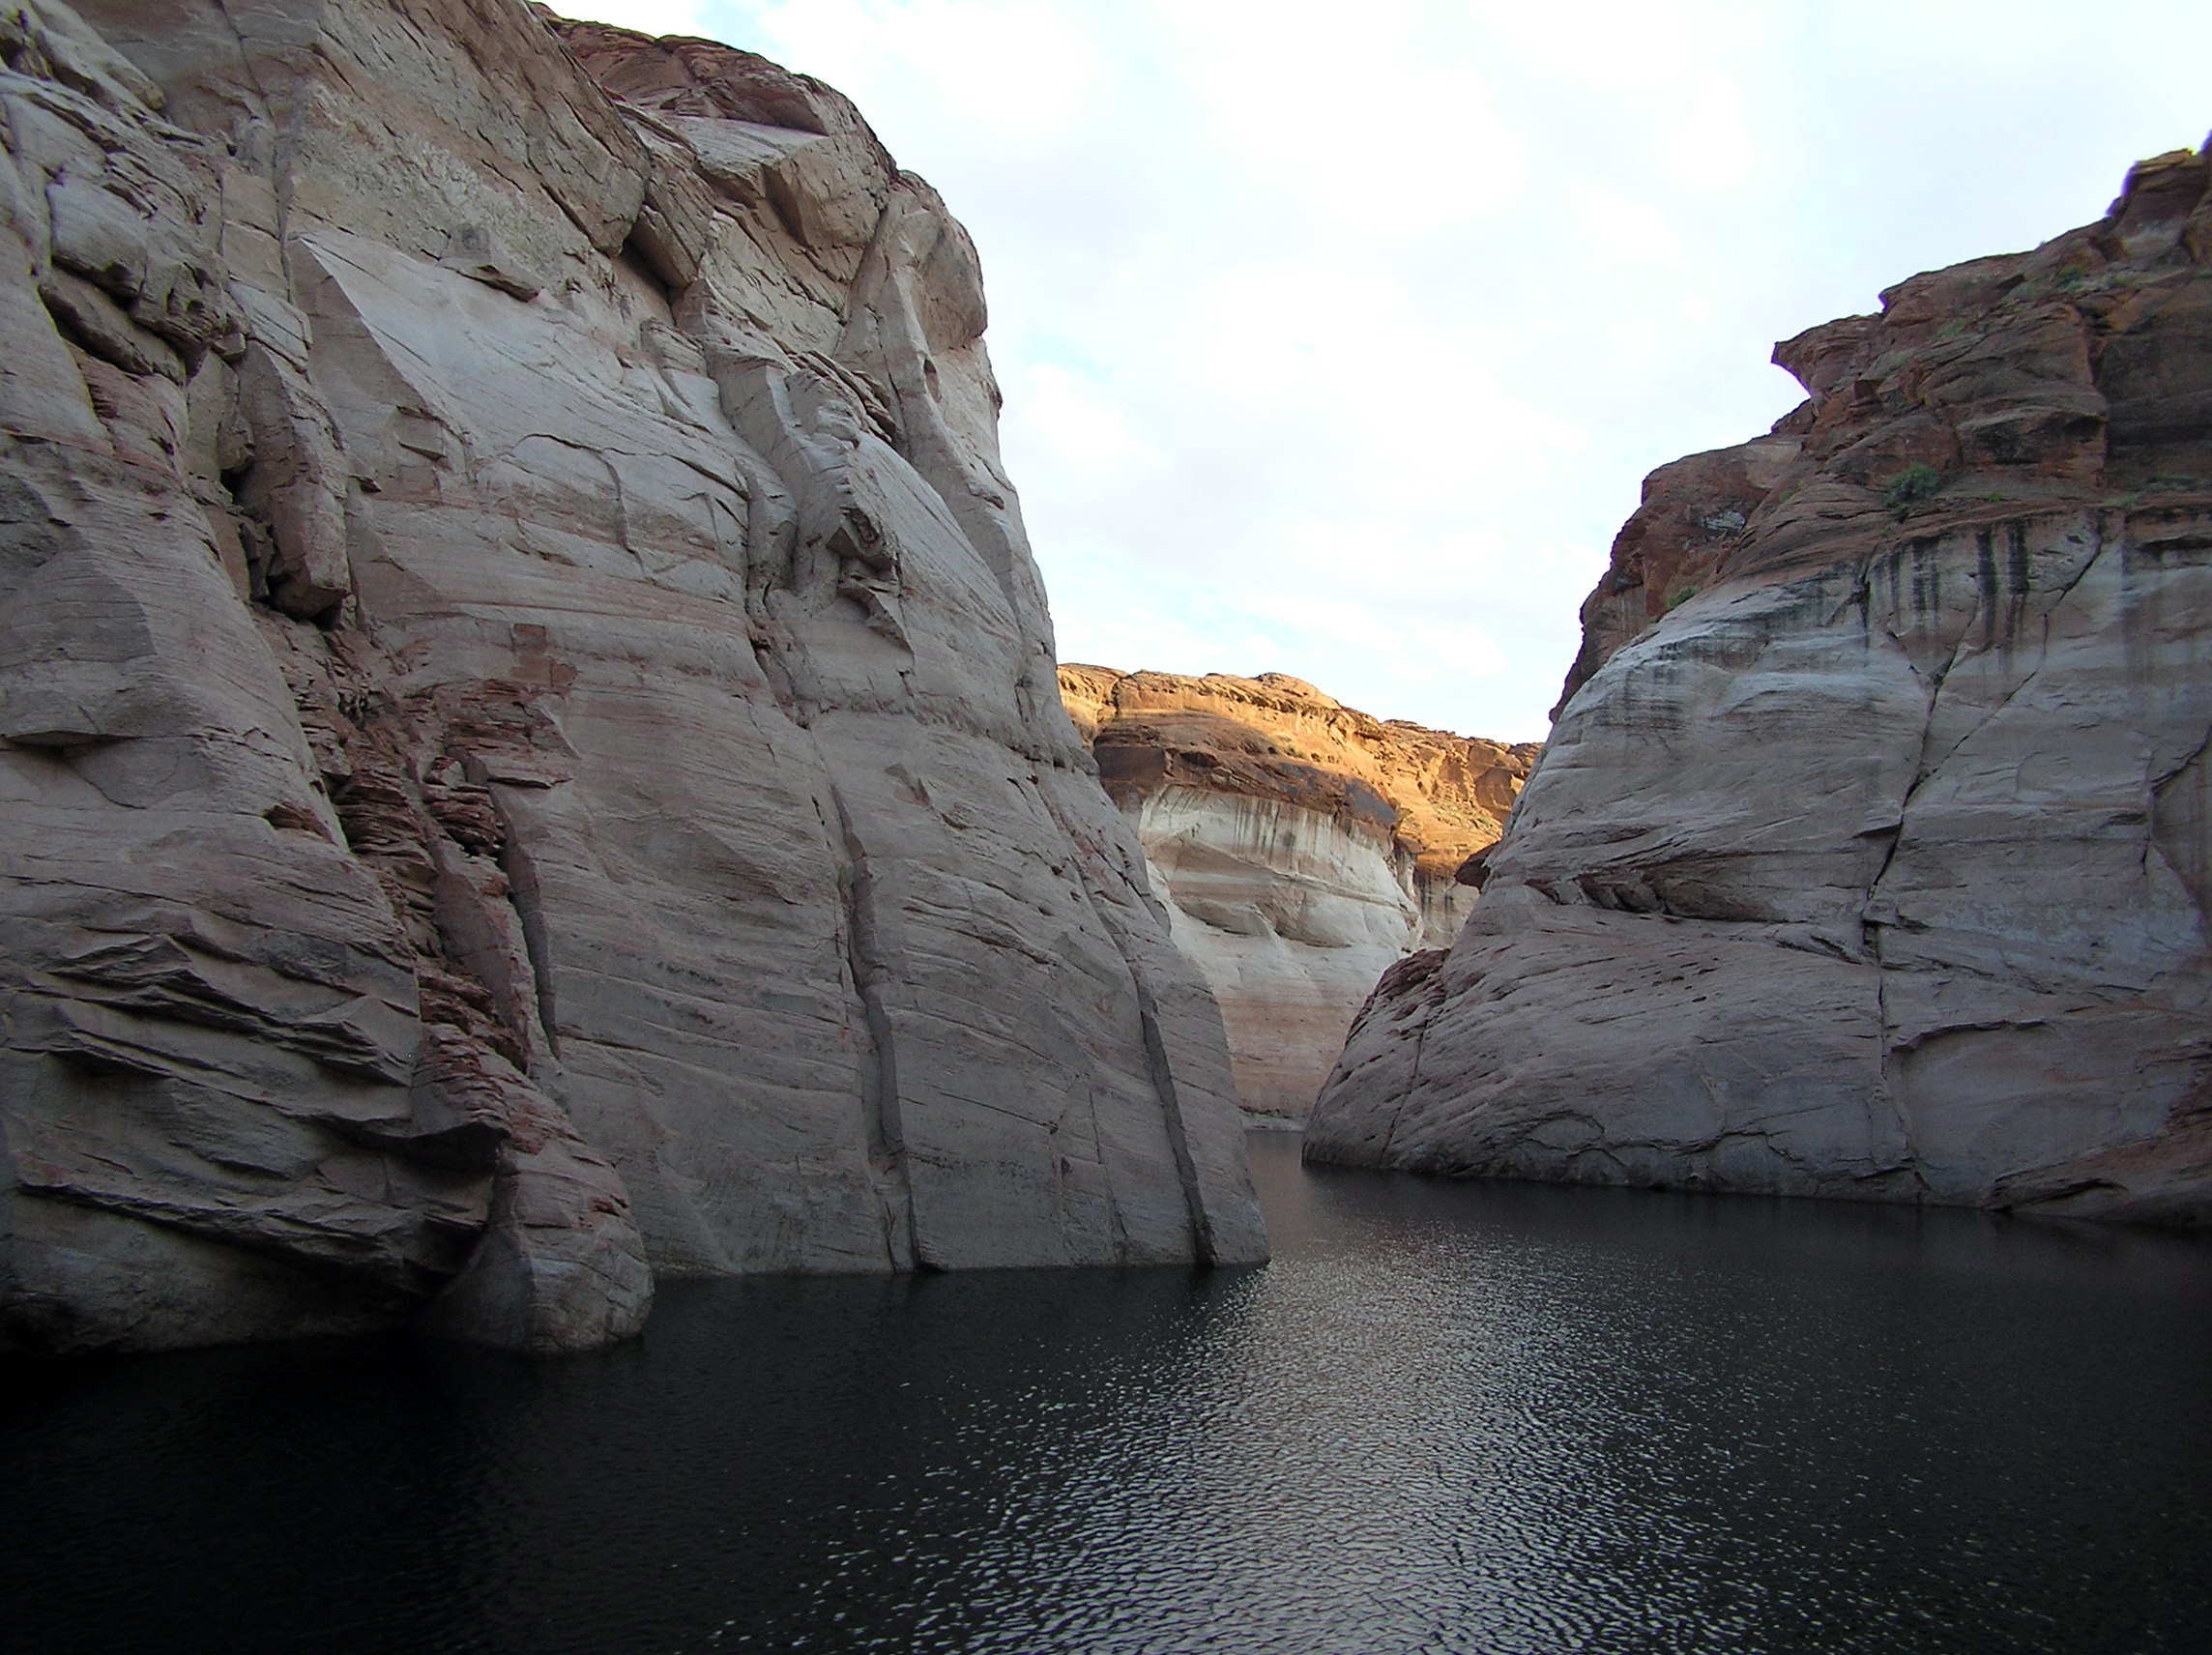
(1449, 1416)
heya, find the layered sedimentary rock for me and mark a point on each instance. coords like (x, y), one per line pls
(1867, 856)
(1303, 847)
(531, 747)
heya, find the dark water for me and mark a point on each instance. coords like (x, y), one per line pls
(1448, 1417)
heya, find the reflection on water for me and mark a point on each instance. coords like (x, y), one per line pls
(1477, 1418)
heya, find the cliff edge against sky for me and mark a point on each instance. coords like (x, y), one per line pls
(1871, 852)
(531, 742)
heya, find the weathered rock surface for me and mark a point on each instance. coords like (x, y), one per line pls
(1302, 848)
(530, 749)
(1867, 856)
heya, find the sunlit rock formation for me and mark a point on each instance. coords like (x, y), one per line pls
(530, 749)
(1869, 856)
(1303, 847)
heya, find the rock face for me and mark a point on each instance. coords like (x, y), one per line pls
(1303, 848)
(1868, 854)
(530, 749)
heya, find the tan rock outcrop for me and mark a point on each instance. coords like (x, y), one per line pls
(530, 744)
(1303, 847)
(1868, 854)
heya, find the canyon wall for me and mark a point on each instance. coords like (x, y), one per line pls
(1302, 848)
(530, 749)
(1869, 856)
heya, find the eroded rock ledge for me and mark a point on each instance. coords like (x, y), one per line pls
(530, 750)
(1303, 847)
(1868, 854)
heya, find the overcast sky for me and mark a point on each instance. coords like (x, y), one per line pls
(1337, 341)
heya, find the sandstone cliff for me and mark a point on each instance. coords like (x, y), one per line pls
(1303, 847)
(1868, 854)
(530, 748)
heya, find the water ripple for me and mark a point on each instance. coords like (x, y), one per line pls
(1447, 1418)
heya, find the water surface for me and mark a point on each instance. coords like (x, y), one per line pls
(1480, 1417)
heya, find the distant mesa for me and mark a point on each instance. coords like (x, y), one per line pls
(1302, 847)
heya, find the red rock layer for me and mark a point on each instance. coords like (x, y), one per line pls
(2079, 372)
(1440, 796)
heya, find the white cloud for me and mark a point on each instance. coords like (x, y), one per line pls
(1337, 340)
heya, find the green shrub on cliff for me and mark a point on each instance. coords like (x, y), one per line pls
(1912, 485)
